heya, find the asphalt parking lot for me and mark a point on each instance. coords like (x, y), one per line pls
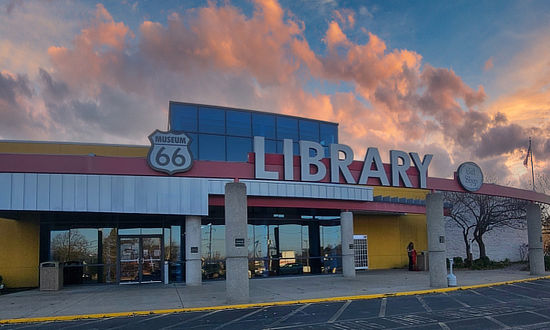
(523, 305)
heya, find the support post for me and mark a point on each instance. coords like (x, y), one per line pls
(534, 234)
(236, 247)
(193, 271)
(348, 252)
(436, 240)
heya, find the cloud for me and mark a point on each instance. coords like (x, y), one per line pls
(488, 64)
(108, 83)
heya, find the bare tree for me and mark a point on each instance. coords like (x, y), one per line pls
(70, 245)
(483, 213)
(460, 214)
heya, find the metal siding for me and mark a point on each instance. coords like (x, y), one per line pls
(29, 200)
(185, 195)
(80, 193)
(117, 193)
(56, 192)
(92, 193)
(152, 198)
(68, 192)
(129, 194)
(17, 191)
(43, 192)
(163, 194)
(175, 195)
(140, 195)
(5, 191)
(105, 184)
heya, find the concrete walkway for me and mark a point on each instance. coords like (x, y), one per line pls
(108, 299)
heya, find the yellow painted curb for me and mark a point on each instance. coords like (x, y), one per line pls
(264, 304)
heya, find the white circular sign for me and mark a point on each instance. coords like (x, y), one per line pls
(470, 176)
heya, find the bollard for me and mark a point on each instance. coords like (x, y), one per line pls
(166, 272)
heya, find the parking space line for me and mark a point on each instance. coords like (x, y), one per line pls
(444, 326)
(515, 294)
(456, 299)
(141, 321)
(383, 304)
(339, 312)
(289, 315)
(424, 304)
(539, 314)
(486, 296)
(504, 326)
(191, 319)
(239, 318)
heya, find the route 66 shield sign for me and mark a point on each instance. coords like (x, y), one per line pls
(169, 152)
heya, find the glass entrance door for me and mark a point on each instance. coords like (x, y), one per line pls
(140, 259)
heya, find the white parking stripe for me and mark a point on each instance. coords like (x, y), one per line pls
(383, 304)
(289, 315)
(240, 318)
(339, 312)
(190, 320)
(423, 303)
(504, 326)
(455, 299)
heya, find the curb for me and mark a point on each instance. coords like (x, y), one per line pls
(264, 304)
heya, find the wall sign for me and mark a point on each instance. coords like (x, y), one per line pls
(194, 249)
(169, 152)
(470, 176)
(239, 242)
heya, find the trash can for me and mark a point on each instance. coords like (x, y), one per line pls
(422, 261)
(51, 276)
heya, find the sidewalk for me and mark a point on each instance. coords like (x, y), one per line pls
(105, 299)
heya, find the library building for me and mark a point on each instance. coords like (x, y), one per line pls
(222, 191)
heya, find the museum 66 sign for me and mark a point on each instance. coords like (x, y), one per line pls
(169, 152)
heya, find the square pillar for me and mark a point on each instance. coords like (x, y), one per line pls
(348, 252)
(193, 271)
(534, 237)
(236, 243)
(436, 240)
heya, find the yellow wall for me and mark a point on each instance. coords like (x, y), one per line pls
(62, 148)
(19, 252)
(388, 237)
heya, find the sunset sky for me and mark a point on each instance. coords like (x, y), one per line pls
(463, 80)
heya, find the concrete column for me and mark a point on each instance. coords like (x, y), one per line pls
(534, 234)
(436, 240)
(193, 272)
(348, 253)
(236, 247)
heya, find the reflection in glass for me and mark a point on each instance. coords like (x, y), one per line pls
(263, 125)
(183, 117)
(211, 120)
(211, 147)
(309, 130)
(213, 251)
(287, 128)
(238, 148)
(129, 259)
(331, 249)
(238, 123)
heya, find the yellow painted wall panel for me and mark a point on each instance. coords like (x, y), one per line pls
(388, 237)
(19, 252)
(64, 148)
(400, 192)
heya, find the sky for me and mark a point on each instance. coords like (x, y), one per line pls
(462, 80)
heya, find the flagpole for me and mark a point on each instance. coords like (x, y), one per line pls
(532, 169)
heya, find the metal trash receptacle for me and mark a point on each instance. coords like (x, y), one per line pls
(51, 276)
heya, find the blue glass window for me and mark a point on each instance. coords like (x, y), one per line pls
(263, 125)
(183, 117)
(238, 123)
(211, 120)
(211, 147)
(295, 149)
(309, 130)
(287, 128)
(329, 134)
(238, 148)
(270, 146)
(194, 146)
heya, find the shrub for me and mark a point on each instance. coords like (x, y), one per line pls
(486, 263)
(458, 262)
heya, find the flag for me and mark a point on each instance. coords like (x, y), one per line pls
(526, 160)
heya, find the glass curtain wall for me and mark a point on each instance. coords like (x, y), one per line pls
(223, 134)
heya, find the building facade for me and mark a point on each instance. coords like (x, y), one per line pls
(117, 214)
